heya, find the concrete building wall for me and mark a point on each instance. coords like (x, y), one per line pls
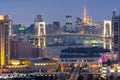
(25, 50)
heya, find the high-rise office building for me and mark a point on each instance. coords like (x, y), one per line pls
(30, 29)
(4, 40)
(38, 18)
(53, 28)
(78, 25)
(49, 29)
(68, 25)
(15, 29)
(116, 33)
(56, 26)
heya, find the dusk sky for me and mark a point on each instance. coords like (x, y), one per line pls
(24, 11)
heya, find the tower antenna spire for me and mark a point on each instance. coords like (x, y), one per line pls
(85, 17)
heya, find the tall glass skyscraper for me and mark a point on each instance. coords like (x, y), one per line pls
(78, 25)
(4, 40)
(116, 33)
(68, 25)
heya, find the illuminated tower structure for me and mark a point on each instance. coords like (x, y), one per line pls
(87, 20)
(85, 17)
(107, 32)
(4, 40)
(84, 22)
(68, 25)
(39, 37)
(41, 31)
(116, 33)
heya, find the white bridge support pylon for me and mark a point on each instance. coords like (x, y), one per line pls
(41, 31)
(107, 31)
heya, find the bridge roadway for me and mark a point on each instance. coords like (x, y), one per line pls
(70, 34)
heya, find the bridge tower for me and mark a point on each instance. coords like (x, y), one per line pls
(41, 31)
(85, 17)
(107, 32)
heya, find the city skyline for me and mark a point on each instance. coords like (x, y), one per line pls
(59, 40)
(24, 12)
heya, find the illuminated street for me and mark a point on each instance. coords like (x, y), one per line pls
(75, 73)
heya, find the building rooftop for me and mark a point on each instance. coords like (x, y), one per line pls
(80, 56)
(2, 17)
(41, 60)
(85, 50)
